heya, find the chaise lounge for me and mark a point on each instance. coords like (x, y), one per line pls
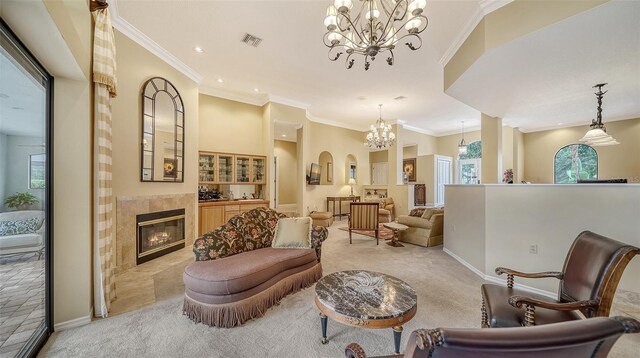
(237, 275)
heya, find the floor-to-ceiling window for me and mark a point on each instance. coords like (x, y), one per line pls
(25, 200)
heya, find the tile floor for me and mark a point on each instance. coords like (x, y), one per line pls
(22, 285)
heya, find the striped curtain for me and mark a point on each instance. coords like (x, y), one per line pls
(104, 77)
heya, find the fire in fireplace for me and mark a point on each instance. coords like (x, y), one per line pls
(159, 234)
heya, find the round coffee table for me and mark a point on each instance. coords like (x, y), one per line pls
(396, 231)
(365, 299)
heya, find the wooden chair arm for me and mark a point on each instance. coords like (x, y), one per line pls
(511, 273)
(354, 350)
(530, 305)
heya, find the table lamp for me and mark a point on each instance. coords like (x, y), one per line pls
(352, 182)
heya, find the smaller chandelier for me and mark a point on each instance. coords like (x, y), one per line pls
(377, 28)
(597, 136)
(380, 135)
(462, 147)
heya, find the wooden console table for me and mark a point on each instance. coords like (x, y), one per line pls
(339, 199)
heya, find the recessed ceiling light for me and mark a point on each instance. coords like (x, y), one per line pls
(284, 135)
(401, 121)
(198, 49)
(220, 80)
(559, 124)
(256, 90)
(2, 95)
(18, 108)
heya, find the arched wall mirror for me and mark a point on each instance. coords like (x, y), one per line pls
(326, 163)
(162, 140)
(351, 169)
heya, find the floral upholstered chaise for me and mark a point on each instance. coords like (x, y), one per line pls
(237, 275)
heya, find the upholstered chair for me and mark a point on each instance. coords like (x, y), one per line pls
(589, 338)
(363, 216)
(588, 281)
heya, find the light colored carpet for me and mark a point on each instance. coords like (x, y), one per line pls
(448, 296)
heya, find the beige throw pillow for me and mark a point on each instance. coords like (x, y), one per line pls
(293, 233)
(427, 213)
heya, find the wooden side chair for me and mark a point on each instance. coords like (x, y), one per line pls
(588, 281)
(587, 338)
(363, 216)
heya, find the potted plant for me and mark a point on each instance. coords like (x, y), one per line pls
(20, 201)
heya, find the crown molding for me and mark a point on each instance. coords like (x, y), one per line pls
(485, 7)
(417, 130)
(234, 96)
(288, 102)
(333, 123)
(143, 40)
(489, 6)
(467, 130)
(289, 124)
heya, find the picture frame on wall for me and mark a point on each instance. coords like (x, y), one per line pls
(170, 168)
(409, 167)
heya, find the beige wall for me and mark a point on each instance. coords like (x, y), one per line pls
(410, 151)
(491, 134)
(286, 152)
(381, 156)
(230, 126)
(487, 228)
(126, 112)
(339, 142)
(618, 161)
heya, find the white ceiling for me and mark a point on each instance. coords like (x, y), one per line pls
(531, 82)
(543, 80)
(21, 101)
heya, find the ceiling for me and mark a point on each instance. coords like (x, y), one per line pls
(530, 82)
(543, 80)
(22, 101)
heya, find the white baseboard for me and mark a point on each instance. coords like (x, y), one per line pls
(72, 323)
(499, 280)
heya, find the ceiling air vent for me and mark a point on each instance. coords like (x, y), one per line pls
(251, 40)
(399, 98)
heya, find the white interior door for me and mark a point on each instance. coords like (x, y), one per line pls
(443, 177)
(379, 173)
(469, 171)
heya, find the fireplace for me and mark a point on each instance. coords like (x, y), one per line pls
(158, 234)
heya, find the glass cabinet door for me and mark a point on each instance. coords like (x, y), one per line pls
(242, 169)
(257, 172)
(206, 165)
(225, 168)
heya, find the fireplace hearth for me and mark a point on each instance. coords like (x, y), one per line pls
(159, 233)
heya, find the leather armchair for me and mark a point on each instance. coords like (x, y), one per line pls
(587, 283)
(589, 338)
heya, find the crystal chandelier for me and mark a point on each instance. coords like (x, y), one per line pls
(462, 147)
(597, 136)
(377, 28)
(380, 135)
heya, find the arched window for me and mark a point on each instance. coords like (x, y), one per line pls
(573, 162)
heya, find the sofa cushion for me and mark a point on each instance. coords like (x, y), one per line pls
(384, 212)
(417, 212)
(19, 227)
(16, 241)
(243, 271)
(414, 221)
(429, 212)
(293, 233)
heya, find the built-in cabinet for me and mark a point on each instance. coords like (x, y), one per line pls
(225, 168)
(214, 214)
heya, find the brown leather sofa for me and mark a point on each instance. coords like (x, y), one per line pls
(423, 231)
(237, 275)
(588, 338)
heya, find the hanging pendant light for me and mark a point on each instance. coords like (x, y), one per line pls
(597, 136)
(380, 135)
(462, 147)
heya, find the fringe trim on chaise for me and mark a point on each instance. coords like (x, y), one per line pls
(233, 314)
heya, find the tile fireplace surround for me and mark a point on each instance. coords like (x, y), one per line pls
(127, 207)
